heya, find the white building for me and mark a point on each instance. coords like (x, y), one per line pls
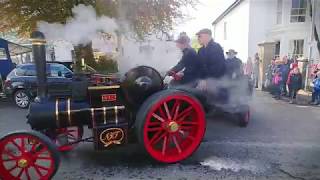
(287, 23)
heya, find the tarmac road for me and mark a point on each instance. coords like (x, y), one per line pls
(282, 141)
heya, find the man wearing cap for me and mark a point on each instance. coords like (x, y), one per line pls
(234, 66)
(189, 62)
(211, 57)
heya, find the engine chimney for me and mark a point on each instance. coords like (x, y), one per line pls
(39, 57)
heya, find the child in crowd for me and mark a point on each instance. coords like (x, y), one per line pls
(292, 67)
(277, 80)
(316, 90)
(294, 83)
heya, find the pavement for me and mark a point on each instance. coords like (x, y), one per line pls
(282, 141)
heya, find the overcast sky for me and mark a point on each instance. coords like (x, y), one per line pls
(203, 16)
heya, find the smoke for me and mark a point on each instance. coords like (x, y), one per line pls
(161, 55)
(85, 27)
(82, 28)
(229, 94)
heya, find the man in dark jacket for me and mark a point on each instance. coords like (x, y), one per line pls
(234, 66)
(189, 62)
(211, 57)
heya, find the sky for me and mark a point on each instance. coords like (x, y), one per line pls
(202, 16)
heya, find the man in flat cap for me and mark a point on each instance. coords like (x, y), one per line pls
(189, 62)
(211, 57)
(234, 66)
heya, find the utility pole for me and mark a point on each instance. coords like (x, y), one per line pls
(311, 40)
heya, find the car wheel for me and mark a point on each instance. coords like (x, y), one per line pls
(22, 99)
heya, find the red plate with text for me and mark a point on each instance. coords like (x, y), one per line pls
(109, 97)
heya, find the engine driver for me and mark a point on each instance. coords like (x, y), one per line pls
(189, 62)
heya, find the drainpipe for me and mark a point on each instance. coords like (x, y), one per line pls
(309, 62)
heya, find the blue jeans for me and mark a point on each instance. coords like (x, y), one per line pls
(277, 90)
(316, 96)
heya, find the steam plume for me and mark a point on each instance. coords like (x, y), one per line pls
(81, 29)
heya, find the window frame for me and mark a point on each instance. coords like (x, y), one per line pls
(64, 71)
(279, 11)
(301, 11)
(25, 69)
(297, 47)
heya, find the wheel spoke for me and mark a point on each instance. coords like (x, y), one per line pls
(12, 159)
(38, 172)
(179, 138)
(41, 167)
(33, 147)
(11, 169)
(19, 147)
(176, 143)
(20, 173)
(157, 137)
(9, 153)
(186, 127)
(161, 112)
(27, 173)
(167, 110)
(158, 117)
(152, 124)
(22, 144)
(176, 109)
(186, 137)
(44, 158)
(164, 145)
(154, 129)
(188, 123)
(184, 114)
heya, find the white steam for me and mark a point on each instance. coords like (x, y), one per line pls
(81, 29)
(86, 27)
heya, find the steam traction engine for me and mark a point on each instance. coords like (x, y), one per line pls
(169, 124)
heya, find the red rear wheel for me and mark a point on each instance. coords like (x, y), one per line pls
(27, 155)
(171, 125)
(244, 118)
(65, 138)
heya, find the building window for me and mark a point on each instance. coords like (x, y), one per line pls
(298, 11)
(279, 12)
(277, 49)
(296, 48)
(225, 30)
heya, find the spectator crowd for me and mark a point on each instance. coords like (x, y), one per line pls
(284, 79)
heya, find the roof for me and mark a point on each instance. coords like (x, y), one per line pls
(16, 49)
(227, 11)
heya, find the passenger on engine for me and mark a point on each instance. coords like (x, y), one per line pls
(189, 62)
(211, 57)
(234, 68)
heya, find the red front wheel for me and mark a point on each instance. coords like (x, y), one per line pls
(27, 155)
(170, 125)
